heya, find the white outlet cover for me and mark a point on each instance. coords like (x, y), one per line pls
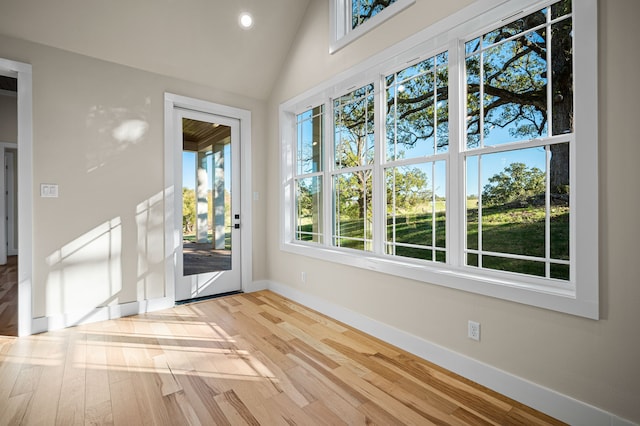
(474, 330)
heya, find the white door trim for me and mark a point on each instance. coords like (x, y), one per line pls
(172, 164)
(23, 72)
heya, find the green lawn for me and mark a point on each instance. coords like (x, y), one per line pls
(505, 230)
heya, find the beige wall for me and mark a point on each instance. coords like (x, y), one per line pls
(101, 242)
(593, 361)
(8, 119)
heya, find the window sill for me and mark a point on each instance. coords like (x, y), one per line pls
(543, 293)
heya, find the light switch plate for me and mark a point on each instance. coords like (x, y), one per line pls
(49, 190)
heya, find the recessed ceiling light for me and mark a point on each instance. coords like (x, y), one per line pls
(245, 20)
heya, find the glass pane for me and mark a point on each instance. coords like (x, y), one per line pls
(354, 128)
(442, 109)
(440, 205)
(516, 27)
(560, 9)
(513, 202)
(559, 200)
(562, 77)
(528, 267)
(414, 70)
(472, 46)
(309, 209)
(515, 87)
(417, 110)
(310, 140)
(472, 194)
(206, 197)
(353, 210)
(473, 101)
(363, 10)
(560, 272)
(416, 209)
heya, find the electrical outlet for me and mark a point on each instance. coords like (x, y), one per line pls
(303, 277)
(474, 330)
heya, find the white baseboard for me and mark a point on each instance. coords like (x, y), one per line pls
(70, 319)
(555, 404)
(255, 286)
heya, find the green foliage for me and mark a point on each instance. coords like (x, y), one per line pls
(408, 188)
(188, 210)
(516, 184)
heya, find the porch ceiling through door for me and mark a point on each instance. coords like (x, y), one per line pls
(198, 134)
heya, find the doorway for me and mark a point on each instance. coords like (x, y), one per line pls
(17, 78)
(207, 198)
(208, 256)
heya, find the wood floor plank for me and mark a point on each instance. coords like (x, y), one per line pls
(242, 359)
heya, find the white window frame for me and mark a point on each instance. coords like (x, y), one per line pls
(580, 295)
(340, 21)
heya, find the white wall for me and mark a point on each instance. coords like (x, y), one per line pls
(593, 361)
(101, 242)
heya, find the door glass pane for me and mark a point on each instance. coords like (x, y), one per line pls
(206, 197)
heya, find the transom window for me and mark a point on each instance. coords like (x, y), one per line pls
(351, 19)
(363, 10)
(460, 167)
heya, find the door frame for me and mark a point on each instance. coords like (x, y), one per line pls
(207, 284)
(23, 73)
(171, 167)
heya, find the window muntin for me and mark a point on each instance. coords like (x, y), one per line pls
(308, 188)
(520, 222)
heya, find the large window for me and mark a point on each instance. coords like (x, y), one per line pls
(472, 165)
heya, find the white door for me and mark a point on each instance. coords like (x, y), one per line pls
(208, 209)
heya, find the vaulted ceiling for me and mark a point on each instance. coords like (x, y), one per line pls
(194, 40)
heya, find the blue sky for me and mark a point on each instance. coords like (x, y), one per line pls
(189, 173)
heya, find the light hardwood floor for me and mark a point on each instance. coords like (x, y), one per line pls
(9, 297)
(244, 359)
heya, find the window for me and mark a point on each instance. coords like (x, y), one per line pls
(472, 165)
(519, 132)
(351, 19)
(353, 172)
(417, 141)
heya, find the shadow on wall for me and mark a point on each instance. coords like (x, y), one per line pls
(117, 128)
(92, 271)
